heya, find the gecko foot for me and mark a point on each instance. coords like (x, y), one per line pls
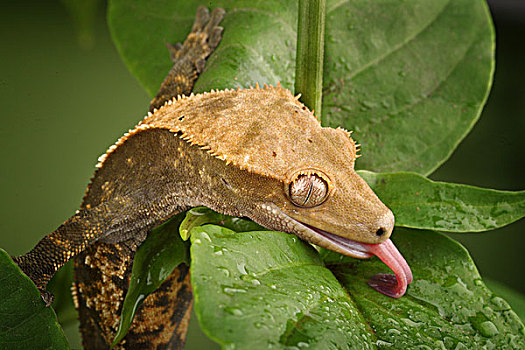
(204, 37)
(47, 297)
(189, 58)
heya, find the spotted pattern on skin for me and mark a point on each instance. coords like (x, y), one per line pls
(162, 319)
(108, 269)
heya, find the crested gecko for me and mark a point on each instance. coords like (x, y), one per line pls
(258, 153)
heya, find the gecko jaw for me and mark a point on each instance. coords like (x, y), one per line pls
(346, 246)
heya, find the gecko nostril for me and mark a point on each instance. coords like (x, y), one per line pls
(380, 231)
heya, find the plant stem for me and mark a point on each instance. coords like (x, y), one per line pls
(310, 53)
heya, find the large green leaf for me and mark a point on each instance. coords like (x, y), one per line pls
(264, 290)
(447, 305)
(410, 77)
(418, 202)
(25, 321)
(268, 289)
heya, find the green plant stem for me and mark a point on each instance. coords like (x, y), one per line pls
(310, 53)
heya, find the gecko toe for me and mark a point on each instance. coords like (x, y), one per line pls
(201, 19)
(47, 297)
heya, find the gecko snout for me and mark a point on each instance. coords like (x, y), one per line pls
(385, 225)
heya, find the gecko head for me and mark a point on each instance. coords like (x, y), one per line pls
(328, 204)
(281, 168)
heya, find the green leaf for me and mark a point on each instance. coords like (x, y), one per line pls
(25, 321)
(418, 202)
(60, 287)
(265, 290)
(201, 215)
(409, 77)
(447, 305)
(268, 289)
(63, 305)
(258, 44)
(154, 261)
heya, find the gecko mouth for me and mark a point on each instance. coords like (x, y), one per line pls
(393, 286)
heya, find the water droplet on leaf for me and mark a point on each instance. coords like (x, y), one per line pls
(235, 311)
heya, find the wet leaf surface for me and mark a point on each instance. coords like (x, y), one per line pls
(201, 215)
(267, 290)
(418, 202)
(447, 305)
(264, 289)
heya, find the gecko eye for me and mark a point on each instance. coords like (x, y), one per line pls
(308, 190)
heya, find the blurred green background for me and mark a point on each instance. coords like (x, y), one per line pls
(65, 98)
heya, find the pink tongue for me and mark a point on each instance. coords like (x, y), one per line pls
(393, 286)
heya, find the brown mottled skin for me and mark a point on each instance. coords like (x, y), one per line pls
(253, 153)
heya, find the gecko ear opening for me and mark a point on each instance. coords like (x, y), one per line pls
(308, 190)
